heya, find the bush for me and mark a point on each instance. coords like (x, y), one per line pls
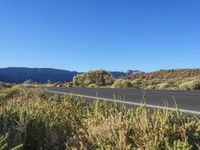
(4, 144)
(35, 119)
(92, 86)
(3, 86)
(117, 83)
(99, 77)
(127, 84)
(163, 86)
(154, 82)
(137, 83)
(58, 84)
(191, 85)
(120, 83)
(151, 87)
(69, 84)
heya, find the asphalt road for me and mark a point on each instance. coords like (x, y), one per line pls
(188, 101)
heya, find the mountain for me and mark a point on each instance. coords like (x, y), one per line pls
(43, 75)
(118, 74)
(39, 75)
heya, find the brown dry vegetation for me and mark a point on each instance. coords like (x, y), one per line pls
(166, 74)
(182, 79)
(35, 119)
(173, 84)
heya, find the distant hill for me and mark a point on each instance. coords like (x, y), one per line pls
(39, 75)
(118, 74)
(42, 75)
(166, 74)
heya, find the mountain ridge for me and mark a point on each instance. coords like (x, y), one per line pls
(41, 75)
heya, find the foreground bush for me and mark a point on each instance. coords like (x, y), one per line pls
(4, 145)
(39, 120)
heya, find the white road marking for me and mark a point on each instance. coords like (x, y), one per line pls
(128, 102)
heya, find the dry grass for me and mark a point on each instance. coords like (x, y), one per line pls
(38, 120)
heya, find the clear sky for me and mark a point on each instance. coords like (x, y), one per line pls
(86, 35)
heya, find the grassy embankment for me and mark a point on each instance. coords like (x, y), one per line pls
(35, 119)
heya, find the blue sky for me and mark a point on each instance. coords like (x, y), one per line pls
(86, 35)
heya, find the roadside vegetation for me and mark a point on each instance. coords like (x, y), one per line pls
(91, 79)
(35, 119)
(161, 80)
(179, 79)
(160, 84)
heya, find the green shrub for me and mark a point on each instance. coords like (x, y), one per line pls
(92, 86)
(137, 83)
(99, 77)
(120, 83)
(117, 83)
(151, 87)
(163, 86)
(4, 145)
(127, 84)
(191, 85)
(69, 84)
(154, 82)
(3, 86)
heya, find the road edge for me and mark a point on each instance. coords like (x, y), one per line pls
(128, 102)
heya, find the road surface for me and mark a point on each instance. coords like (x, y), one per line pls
(187, 101)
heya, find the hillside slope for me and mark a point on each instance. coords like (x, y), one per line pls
(179, 79)
(166, 74)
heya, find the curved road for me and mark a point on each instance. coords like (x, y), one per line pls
(187, 101)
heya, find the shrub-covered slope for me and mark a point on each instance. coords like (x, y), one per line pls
(183, 79)
(166, 74)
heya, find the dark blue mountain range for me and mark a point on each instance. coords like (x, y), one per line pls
(40, 75)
